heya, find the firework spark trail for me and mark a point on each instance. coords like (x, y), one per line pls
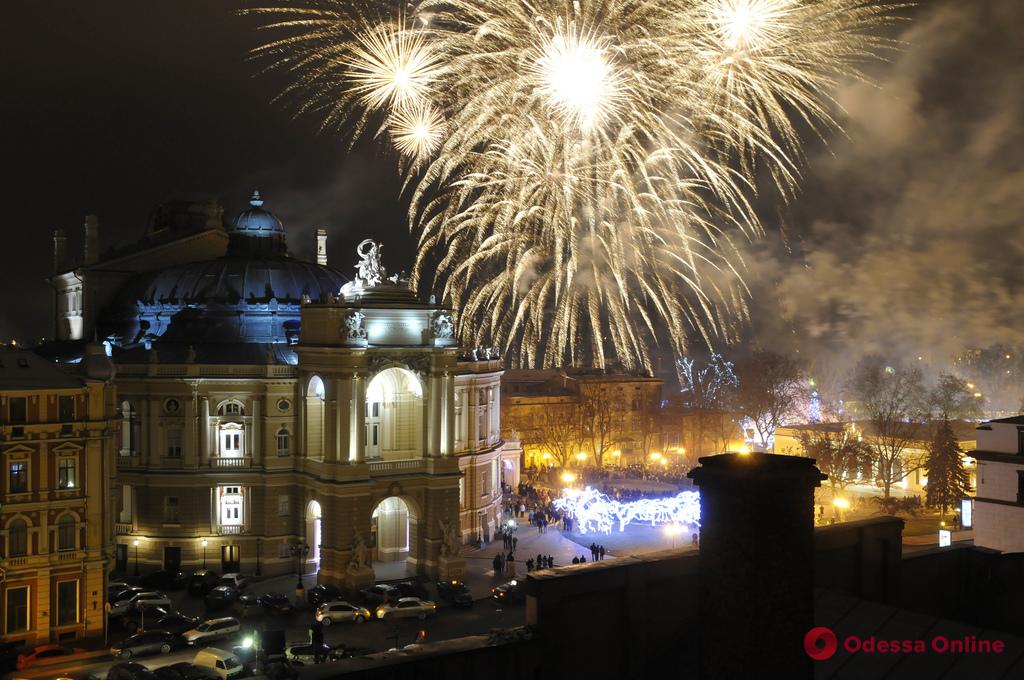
(582, 169)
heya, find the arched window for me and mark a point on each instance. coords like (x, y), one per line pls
(17, 538)
(66, 533)
(230, 408)
(284, 442)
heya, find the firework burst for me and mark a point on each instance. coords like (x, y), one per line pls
(582, 170)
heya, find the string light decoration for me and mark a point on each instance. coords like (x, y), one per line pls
(592, 511)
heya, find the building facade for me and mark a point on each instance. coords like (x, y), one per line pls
(277, 417)
(57, 436)
(999, 503)
(572, 412)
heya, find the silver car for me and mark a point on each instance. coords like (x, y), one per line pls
(211, 630)
(337, 611)
(407, 607)
(146, 598)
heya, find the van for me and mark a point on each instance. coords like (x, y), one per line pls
(218, 664)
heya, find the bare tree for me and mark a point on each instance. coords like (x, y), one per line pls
(952, 399)
(708, 390)
(839, 451)
(603, 413)
(771, 388)
(555, 428)
(890, 398)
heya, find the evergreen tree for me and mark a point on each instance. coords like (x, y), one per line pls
(948, 481)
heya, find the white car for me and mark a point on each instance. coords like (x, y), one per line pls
(144, 599)
(234, 580)
(337, 611)
(211, 630)
(219, 663)
(407, 607)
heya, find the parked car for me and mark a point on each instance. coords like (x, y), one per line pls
(150, 642)
(164, 580)
(317, 595)
(129, 670)
(115, 587)
(510, 592)
(307, 653)
(175, 623)
(221, 596)
(407, 607)
(380, 594)
(32, 656)
(338, 611)
(456, 592)
(218, 663)
(115, 596)
(146, 598)
(202, 581)
(277, 604)
(411, 589)
(247, 605)
(182, 670)
(236, 581)
(135, 619)
(212, 629)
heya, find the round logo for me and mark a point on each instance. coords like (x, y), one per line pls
(820, 643)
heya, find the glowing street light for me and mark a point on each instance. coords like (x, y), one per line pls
(744, 450)
(204, 543)
(673, 531)
(135, 544)
(616, 454)
(841, 503)
(655, 456)
(581, 457)
(568, 477)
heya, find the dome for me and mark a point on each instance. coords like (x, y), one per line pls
(231, 299)
(256, 221)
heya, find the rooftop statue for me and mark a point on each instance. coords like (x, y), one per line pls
(370, 270)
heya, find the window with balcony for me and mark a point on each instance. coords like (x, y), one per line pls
(17, 609)
(67, 469)
(284, 439)
(231, 441)
(174, 443)
(17, 538)
(66, 531)
(171, 510)
(231, 506)
(18, 478)
(18, 410)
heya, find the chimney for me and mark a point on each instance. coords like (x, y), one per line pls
(321, 247)
(60, 251)
(92, 239)
(756, 591)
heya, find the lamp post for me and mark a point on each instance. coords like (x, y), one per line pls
(135, 543)
(204, 543)
(299, 550)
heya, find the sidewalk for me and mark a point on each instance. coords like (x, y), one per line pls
(480, 576)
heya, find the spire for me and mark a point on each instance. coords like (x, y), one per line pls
(255, 200)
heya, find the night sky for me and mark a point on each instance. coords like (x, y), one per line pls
(907, 236)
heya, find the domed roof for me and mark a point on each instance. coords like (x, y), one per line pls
(256, 221)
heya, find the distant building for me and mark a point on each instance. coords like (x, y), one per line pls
(277, 417)
(57, 436)
(918, 436)
(630, 402)
(999, 503)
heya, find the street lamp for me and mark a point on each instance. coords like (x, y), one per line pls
(204, 543)
(673, 530)
(135, 543)
(299, 550)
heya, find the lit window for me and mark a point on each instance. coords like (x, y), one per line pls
(231, 408)
(18, 480)
(231, 506)
(283, 442)
(66, 477)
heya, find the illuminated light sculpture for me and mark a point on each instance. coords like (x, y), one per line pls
(591, 510)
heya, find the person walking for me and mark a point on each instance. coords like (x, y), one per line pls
(593, 552)
(510, 565)
(529, 565)
(514, 542)
(551, 562)
(600, 552)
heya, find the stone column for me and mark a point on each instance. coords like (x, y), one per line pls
(343, 418)
(435, 397)
(258, 448)
(756, 599)
(329, 436)
(448, 444)
(204, 432)
(357, 451)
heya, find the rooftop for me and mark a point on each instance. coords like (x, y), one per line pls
(23, 370)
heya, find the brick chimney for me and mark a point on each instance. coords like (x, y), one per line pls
(60, 251)
(321, 247)
(92, 239)
(756, 598)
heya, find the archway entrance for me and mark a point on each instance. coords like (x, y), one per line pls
(314, 516)
(392, 538)
(315, 418)
(394, 415)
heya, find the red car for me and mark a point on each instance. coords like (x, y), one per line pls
(42, 653)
